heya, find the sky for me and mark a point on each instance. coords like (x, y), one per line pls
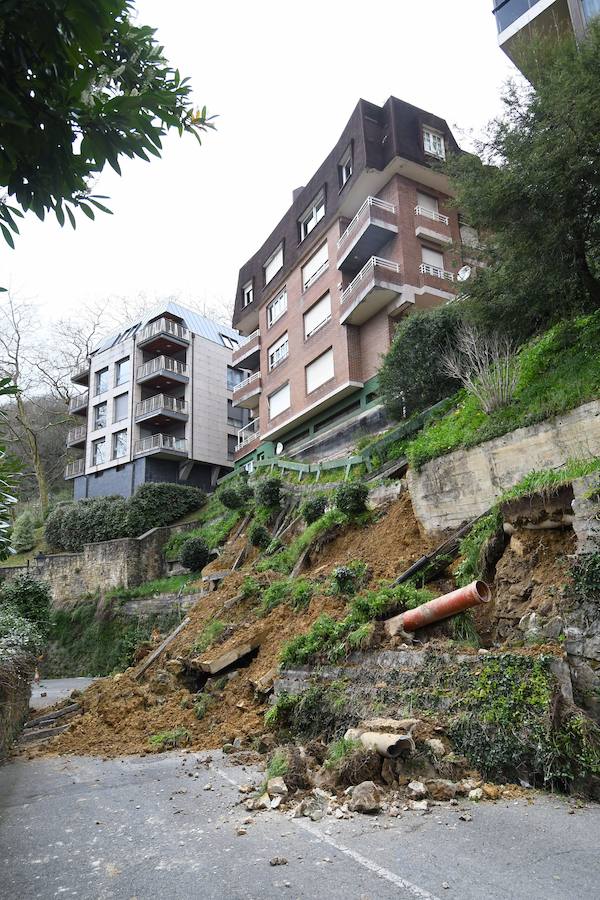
(283, 80)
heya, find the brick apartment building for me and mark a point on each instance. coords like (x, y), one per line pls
(157, 406)
(518, 19)
(370, 238)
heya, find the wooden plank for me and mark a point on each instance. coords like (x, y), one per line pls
(156, 653)
(227, 659)
(41, 734)
(51, 717)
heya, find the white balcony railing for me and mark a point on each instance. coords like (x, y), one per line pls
(164, 326)
(431, 214)
(160, 442)
(248, 433)
(74, 435)
(81, 370)
(367, 271)
(75, 468)
(162, 363)
(79, 401)
(369, 202)
(247, 382)
(160, 401)
(436, 271)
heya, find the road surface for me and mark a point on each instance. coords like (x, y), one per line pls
(55, 689)
(147, 827)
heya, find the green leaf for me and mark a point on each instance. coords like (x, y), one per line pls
(7, 235)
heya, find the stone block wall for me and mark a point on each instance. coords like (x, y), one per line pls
(16, 672)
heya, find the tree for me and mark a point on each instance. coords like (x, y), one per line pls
(80, 86)
(533, 193)
(7, 478)
(23, 535)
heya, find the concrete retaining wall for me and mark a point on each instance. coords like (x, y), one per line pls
(453, 489)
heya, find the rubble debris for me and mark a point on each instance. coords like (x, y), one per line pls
(365, 798)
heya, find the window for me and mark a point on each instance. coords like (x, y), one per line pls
(279, 401)
(591, 8)
(228, 342)
(247, 294)
(122, 371)
(315, 267)
(433, 143)
(120, 405)
(234, 377)
(235, 415)
(273, 264)
(119, 444)
(101, 381)
(276, 308)
(433, 258)
(278, 352)
(100, 416)
(231, 446)
(99, 452)
(317, 315)
(345, 168)
(319, 371)
(312, 216)
(427, 202)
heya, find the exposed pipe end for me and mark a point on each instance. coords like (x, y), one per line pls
(483, 591)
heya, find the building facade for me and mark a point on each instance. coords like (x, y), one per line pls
(518, 19)
(369, 239)
(157, 406)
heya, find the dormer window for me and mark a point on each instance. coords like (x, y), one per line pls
(433, 143)
(273, 264)
(247, 294)
(345, 167)
(312, 216)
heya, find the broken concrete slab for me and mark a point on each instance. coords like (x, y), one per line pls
(229, 658)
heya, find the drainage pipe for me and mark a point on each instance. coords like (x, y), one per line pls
(389, 745)
(441, 608)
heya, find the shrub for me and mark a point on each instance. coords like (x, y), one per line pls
(156, 504)
(23, 535)
(30, 597)
(195, 554)
(268, 492)
(231, 497)
(168, 740)
(348, 579)
(245, 491)
(18, 632)
(298, 592)
(351, 498)
(313, 508)
(259, 536)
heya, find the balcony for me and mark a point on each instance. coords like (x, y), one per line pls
(79, 403)
(372, 227)
(164, 336)
(164, 445)
(247, 354)
(247, 393)
(162, 372)
(436, 272)
(376, 285)
(76, 436)
(249, 434)
(81, 375)
(161, 408)
(75, 468)
(432, 225)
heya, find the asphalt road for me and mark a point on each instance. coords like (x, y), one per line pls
(147, 828)
(55, 689)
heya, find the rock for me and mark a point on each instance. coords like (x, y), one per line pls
(418, 805)
(276, 787)
(314, 806)
(491, 791)
(475, 794)
(241, 831)
(387, 772)
(394, 812)
(262, 802)
(416, 790)
(365, 798)
(441, 789)
(468, 784)
(275, 802)
(207, 787)
(389, 726)
(227, 748)
(278, 861)
(436, 746)
(237, 743)
(466, 817)
(174, 666)
(445, 885)
(246, 788)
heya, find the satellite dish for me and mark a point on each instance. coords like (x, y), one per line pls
(278, 448)
(464, 274)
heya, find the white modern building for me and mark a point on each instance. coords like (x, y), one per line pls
(156, 406)
(516, 20)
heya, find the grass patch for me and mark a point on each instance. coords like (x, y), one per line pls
(278, 765)
(214, 532)
(339, 750)
(298, 592)
(557, 372)
(285, 560)
(169, 740)
(548, 481)
(171, 585)
(209, 634)
(202, 704)
(472, 545)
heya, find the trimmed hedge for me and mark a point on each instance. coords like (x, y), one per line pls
(71, 525)
(195, 554)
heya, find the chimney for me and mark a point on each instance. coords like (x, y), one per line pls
(296, 193)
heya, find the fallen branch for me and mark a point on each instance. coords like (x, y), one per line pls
(159, 650)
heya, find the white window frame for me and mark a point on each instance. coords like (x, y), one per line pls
(439, 256)
(428, 202)
(280, 390)
(309, 280)
(311, 365)
(312, 216)
(434, 143)
(247, 294)
(96, 445)
(228, 342)
(95, 409)
(321, 322)
(278, 352)
(268, 273)
(345, 168)
(118, 366)
(279, 305)
(98, 390)
(115, 399)
(115, 435)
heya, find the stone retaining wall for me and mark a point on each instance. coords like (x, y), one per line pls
(16, 672)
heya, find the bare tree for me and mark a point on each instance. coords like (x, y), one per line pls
(485, 363)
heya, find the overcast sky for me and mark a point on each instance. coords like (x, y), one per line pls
(283, 79)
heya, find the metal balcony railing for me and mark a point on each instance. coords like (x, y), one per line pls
(160, 401)
(164, 326)
(74, 435)
(160, 442)
(79, 401)
(367, 271)
(248, 433)
(247, 382)
(81, 370)
(369, 202)
(75, 468)
(159, 363)
(431, 214)
(436, 271)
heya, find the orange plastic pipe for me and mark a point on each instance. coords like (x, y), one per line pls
(447, 605)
